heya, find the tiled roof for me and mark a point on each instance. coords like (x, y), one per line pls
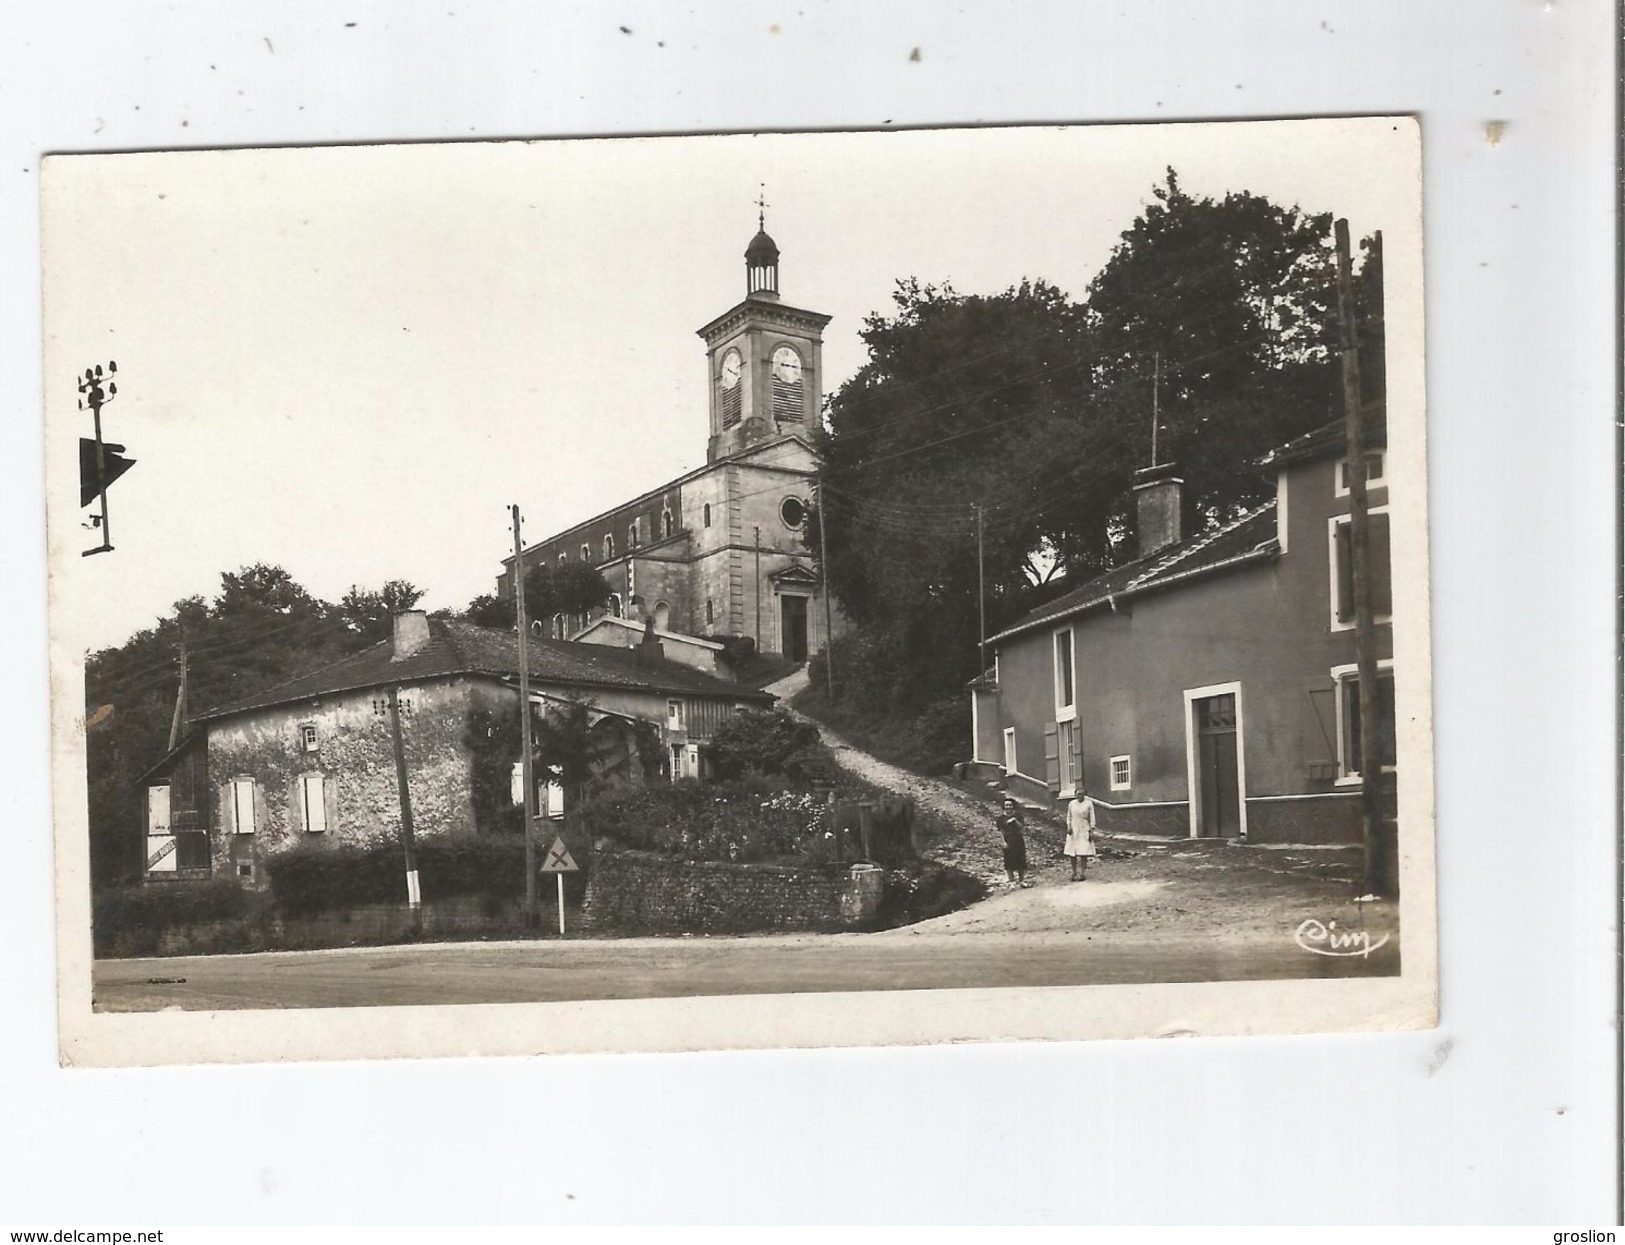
(1328, 439)
(459, 648)
(1249, 538)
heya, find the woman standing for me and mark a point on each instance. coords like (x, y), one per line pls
(1080, 834)
(1015, 844)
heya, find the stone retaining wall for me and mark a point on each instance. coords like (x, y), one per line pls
(642, 892)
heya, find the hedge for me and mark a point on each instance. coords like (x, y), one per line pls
(139, 916)
(311, 878)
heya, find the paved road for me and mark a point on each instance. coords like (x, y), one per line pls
(523, 972)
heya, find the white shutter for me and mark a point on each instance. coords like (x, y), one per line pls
(242, 803)
(313, 797)
(552, 800)
(158, 810)
(516, 784)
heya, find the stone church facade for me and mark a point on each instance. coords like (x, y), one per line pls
(722, 550)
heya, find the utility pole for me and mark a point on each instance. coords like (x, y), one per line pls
(981, 598)
(526, 764)
(823, 573)
(413, 896)
(1365, 647)
(1156, 392)
(95, 393)
(758, 543)
(180, 700)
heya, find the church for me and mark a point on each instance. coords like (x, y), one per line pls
(721, 552)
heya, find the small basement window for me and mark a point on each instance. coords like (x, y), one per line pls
(1122, 773)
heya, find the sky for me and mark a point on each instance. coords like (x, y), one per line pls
(350, 361)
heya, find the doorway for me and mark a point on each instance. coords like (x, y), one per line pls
(793, 627)
(1215, 761)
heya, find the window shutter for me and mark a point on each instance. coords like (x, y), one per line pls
(1052, 757)
(1345, 573)
(228, 808)
(516, 784)
(1382, 592)
(315, 803)
(158, 810)
(244, 812)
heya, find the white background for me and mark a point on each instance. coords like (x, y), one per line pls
(1507, 1113)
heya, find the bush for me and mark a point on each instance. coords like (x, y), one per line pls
(748, 820)
(929, 890)
(137, 917)
(768, 741)
(311, 878)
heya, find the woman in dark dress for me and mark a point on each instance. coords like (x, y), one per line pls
(1015, 844)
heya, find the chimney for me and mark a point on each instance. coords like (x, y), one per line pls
(650, 653)
(1159, 505)
(411, 634)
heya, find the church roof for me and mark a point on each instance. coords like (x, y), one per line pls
(762, 252)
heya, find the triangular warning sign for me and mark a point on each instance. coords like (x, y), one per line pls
(559, 859)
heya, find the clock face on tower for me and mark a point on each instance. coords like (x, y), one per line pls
(732, 366)
(786, 365)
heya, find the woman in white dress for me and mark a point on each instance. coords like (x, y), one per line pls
(1080, 834)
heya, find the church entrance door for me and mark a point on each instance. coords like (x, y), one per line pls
(793, 627)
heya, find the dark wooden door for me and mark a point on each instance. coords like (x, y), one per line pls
(1219, 814)
(793, 630)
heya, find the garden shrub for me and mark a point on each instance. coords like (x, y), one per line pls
(138, 916)
(743, 821)
(312, 878)
(924, 891)
(768, 741)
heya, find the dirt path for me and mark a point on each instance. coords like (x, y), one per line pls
(1197, 888)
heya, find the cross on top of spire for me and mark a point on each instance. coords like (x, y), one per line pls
(761, 206)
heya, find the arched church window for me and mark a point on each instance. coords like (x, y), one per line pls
(632, 535)
(609, 545)
(787, 396)
(707, 515)
(667, 524)
(662, 615)
(615, 604)
(586, 553)
(563, 557)
(558, 626)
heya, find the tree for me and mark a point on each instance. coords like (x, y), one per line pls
(371, 613)
(574, 590)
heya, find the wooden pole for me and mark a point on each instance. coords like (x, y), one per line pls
(981, 599)
(560, 877)
(1365, 647)
(413, 896)
(823, 573)
(526, 771)
(176, 722)
(1156, 410)
(757, 540)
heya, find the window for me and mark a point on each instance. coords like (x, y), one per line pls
(792, 512)
(313, 803)
(380, 706)
(158, 809)
(1374, 466)
(307, 737)
(609, 546)
(564, 558)
(710, 612)
(674, 715)
(1009, 750)
(662, 616)
(1122, 773)
(586, 553)
(1065, 683)
(667, 524)
(787, 399)
(707, 514)
(1342, 558)
(615, 604)
(407, 704)
(1349, 767)
(558, 626)
(632, 535)
(242, 805)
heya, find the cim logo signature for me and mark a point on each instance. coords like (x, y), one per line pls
(1324, 938)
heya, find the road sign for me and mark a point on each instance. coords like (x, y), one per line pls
(559, 859)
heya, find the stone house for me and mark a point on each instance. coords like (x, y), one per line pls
(722, 550)
(1207, 689)
(313, 758)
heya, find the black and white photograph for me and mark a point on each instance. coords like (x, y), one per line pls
(918, 577)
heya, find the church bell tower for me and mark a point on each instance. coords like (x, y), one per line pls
(764, 360)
